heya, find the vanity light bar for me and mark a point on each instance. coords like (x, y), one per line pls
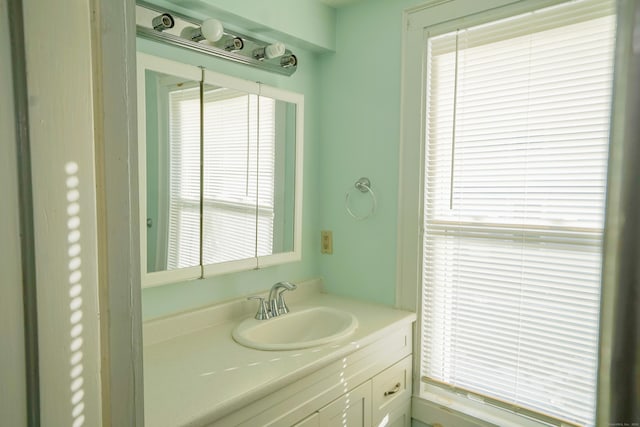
(210, 37)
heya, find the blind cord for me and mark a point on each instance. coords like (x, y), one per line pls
(246, 185)
(201, 225)
(453, 127)
(257, 174)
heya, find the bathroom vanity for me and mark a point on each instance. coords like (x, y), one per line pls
(197, 375)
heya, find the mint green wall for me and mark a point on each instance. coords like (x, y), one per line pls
(305, 22)
(308, 24)
(352, 101)
(167, 299)
(360, 132)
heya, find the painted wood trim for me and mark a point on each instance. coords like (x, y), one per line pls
(618, 392)
(114, 37)
(13, 389)
(60, 88)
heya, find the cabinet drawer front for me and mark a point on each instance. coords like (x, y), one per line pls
(391, 387)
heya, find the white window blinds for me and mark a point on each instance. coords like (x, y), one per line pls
(517, 130)
(238, 153)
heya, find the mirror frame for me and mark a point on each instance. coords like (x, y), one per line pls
(192, 72)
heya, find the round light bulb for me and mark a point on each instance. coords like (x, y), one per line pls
(274, 50)
(212, 29)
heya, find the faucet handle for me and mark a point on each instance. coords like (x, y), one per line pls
(263, 312)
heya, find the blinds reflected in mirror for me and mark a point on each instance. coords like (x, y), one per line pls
(239, 145)
(183, 228)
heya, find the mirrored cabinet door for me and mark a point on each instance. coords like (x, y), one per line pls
(169, 119)
(276, 169)
(230, 176)
(280, 169)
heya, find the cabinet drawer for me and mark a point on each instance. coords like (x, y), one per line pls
(390, 388)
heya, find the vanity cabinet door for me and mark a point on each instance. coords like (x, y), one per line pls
(391, 389)
(398, 416)
(352, 409)
(310, 421)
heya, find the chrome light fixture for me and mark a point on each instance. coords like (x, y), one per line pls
(233, 44)
(210, 37)
(289, 61)
(163, 22)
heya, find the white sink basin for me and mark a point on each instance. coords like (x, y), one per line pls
(301, 328)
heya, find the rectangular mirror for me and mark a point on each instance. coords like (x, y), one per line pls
(222, 172)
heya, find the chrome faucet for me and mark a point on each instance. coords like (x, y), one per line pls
(277, 306)
(263, 310)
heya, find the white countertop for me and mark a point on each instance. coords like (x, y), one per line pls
(196, 378)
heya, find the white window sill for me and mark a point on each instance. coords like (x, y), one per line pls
(441, 407)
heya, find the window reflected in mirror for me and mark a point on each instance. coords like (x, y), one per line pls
(231, 177)
(173, 171)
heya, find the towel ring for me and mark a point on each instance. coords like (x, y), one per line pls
(364, 186)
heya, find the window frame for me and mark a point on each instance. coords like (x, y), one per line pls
(433, 18)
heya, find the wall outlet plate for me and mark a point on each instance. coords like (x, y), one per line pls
(326, 242)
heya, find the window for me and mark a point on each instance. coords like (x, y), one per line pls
(239, 149)
(516, 142)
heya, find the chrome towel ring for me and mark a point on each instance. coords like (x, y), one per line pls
(364, 186)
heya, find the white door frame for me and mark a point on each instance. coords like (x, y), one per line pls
(80, 61)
